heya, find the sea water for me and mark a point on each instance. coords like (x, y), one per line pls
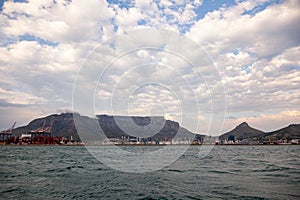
(227, 172)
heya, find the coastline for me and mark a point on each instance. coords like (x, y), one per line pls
(141, 145)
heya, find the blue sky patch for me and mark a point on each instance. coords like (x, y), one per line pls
(261, 7)
(292, 68)
(21, 1)
(247, 68)
(212, 5)
(142, 22)
(236, 52)
(1, 5)
(123, 3)
(28, 37)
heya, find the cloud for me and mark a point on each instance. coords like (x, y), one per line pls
(19, 98)
(265, 34)
(254, 44)
(172, 15)
(268, 85)
(255, 53)
(57, 21)
(291, 113)
(128, 17)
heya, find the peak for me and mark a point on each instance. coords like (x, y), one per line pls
(244, 124)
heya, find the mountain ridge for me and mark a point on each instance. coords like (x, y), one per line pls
(292, 131)
(63, 125)
(244, 131)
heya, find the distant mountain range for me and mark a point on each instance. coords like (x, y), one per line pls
(245, 132)
(63, 125)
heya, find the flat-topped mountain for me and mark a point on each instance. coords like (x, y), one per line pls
(110, 126)
(155, 127)
(243, 131)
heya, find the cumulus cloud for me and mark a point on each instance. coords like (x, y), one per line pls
(254, 44)
(19, 98)
(265, 33)
(255, 53)
(58, 21)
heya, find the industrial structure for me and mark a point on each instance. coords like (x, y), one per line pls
(7, 134)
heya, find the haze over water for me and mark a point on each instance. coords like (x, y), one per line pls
(227, 172)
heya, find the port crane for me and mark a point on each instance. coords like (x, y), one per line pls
(43, 130)
(7, 133)
(10, 130)
(41, 135)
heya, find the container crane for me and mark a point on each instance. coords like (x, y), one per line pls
(7, 133)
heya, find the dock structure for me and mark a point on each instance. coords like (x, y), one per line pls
(6, 134)
(41, 135)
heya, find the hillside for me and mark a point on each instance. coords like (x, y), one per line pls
(287, 133)
(63, 125)
(243, 131)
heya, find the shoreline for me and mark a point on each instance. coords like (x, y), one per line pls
(141, 145)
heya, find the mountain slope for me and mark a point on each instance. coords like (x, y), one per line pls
(243, 131)
(63, 125)
(287, 133)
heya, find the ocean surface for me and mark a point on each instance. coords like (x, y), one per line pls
(227, 172)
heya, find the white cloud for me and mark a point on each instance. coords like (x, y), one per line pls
(57, 22)
(266, 33)
(268, 85)
(257, 56)
(128, 17)
(19, 98)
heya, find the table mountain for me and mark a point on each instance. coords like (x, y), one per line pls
(63, 125)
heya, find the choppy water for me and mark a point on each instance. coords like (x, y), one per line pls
(228, 172)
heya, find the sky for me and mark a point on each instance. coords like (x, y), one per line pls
(209, 64)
